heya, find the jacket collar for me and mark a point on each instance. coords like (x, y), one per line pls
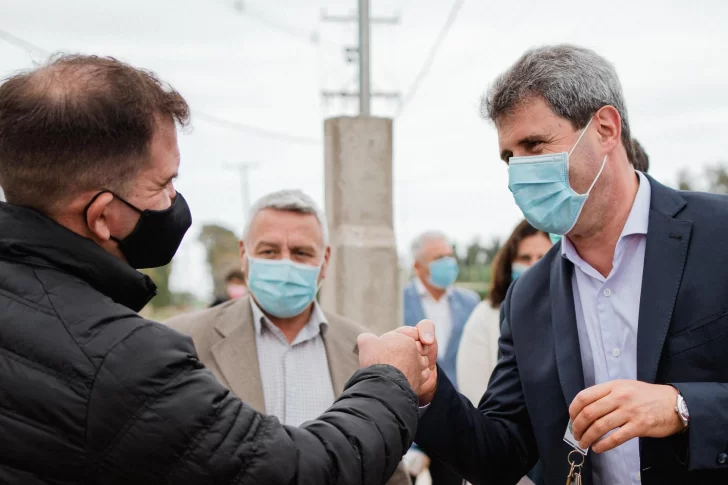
(31, 238)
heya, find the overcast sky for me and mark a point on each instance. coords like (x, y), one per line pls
(670, 54)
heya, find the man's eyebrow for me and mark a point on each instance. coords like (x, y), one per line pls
(170, 179)
(528, 140)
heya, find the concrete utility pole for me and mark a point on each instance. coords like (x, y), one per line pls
(364, 20)
(363, 277)
(243, 170)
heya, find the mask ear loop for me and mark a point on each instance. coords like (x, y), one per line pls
(604, 163)
(581, 136)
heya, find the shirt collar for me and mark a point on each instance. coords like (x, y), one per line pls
(422, 291)
(317, 323)
(637, 222)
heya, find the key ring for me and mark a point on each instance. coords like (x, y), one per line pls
(573, 463)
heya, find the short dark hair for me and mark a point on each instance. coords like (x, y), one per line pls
(235, 274)
(79, 123)
(640, 161)
(575, 82)
(502, 267)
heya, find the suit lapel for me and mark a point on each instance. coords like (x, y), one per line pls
(237, 354)
(563, 324)
(665, 255)
(341, 354)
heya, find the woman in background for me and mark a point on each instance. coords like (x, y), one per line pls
(478, 352)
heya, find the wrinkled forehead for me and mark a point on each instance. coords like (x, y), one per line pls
(285, 228)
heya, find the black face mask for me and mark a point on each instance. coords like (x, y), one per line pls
(156, 236)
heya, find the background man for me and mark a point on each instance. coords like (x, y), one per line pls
(431, 295)
(277, 349)
(90, 392)
(234, 287)
(621, 328)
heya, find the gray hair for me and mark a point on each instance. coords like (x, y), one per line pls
(419, 243)
(288, 200)
(575, 82)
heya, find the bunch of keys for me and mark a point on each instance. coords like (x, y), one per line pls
(574, 477)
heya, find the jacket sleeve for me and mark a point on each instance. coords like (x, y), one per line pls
(492, 444)
(707, 434)
(156, 415)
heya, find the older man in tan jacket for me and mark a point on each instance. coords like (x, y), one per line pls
(277, 349)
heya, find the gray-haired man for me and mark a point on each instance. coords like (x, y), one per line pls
(618, 335)
(277, 349)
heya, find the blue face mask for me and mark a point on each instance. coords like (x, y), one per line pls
(541, 188)
(281, 287)
(443, 272)
(555, 238)
(517, 269)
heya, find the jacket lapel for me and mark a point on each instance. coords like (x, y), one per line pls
(563, 324)
(341, 354)
(665, 255)
(237, 354)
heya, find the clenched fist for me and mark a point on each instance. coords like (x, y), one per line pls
(424, 334)
(396, 350)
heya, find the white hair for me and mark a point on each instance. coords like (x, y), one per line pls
(288, 200)
(420, 241)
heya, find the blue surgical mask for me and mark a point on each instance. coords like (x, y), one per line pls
(541, 188)
(281, 287)
(555, 238)
(517, 269)
(443, 272)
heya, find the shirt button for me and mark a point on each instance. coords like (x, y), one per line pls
(616, 352)
(638, 477)
(723, 458)
(607, 292)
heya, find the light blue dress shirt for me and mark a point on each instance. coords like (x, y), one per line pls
(607, 313)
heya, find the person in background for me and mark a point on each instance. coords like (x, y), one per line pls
(234, 287)
(277, 349)
(640, 160)
(431, 295)
(92, 392)
(478, 351)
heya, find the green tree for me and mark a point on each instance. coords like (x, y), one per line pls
(222, 247)
(714, 178)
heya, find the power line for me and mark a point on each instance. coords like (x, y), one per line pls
(22, 44)
(425, 69)
(231, 125)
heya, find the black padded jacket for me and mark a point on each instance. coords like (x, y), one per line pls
(92, 393)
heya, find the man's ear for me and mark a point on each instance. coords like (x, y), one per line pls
(325, 266)
(97, 217)
(609, 126)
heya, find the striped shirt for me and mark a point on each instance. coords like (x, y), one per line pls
(296, 378)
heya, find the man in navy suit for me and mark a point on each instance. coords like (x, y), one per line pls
(621, 328)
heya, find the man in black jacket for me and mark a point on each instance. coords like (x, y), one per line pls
(90, 392)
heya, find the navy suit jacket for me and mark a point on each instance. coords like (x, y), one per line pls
(682, 340)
